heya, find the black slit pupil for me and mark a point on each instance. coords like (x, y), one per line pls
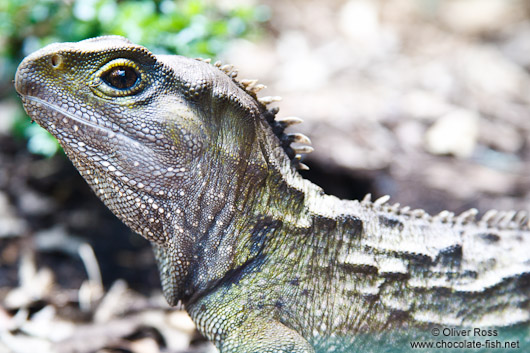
(121, 77)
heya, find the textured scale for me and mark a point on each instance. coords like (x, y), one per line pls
(264, 261)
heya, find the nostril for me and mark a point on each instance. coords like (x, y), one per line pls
(56, 60)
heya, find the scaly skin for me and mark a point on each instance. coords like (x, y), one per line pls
(263, 260)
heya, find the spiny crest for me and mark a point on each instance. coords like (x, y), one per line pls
(505, 219)
(278, 125)
(491, 219)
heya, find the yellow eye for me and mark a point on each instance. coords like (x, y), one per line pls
(121, 77)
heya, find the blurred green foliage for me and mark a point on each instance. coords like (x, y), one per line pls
(195, 28)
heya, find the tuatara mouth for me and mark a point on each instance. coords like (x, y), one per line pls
(69, 119)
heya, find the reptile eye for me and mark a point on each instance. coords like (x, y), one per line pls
(121, 77)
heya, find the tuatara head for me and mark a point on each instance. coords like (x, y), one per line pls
(172, 145)
(134, 123)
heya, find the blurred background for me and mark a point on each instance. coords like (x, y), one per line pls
(425, 100)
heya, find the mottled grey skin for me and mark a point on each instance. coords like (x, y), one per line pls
(263, 260)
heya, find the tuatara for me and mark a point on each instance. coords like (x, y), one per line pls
(188, 156)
